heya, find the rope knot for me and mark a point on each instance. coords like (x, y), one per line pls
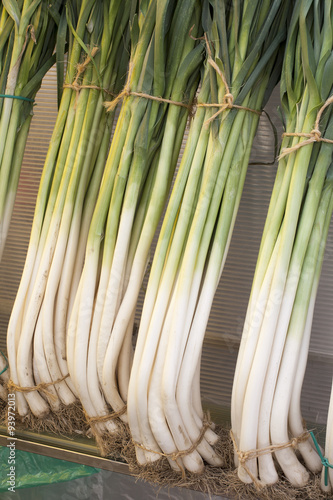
(242, 457)
(294, 442)
(228, 100)
(316, 134)
(174, 456)
(75, 86)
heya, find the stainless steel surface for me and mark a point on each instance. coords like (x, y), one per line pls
(34, 443)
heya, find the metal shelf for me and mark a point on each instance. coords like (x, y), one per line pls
(81, 450)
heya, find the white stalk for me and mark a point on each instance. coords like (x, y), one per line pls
(292, 348)
(41, 367)
(48, 190)
(61, 309)
(64, 391)
(292, 468)
(147, 341)
(196, 394)
(125, 361)
(295, 418)
(191, 424)
(249, 342)
(140, 385)
(36, 373)
(110, 309)
(153, 314)
(157, 421)
(267, 470)
(83, 370)
(71, 332)
(24, 367)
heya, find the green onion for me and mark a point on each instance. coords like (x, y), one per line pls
(27, 41)
(164, 409)
(164, 63)
(265, 406)
(98, 38)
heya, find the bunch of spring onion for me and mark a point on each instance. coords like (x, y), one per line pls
(165, 62)
(27, 41)
(275, 340)
(98, 40)
(164, 404)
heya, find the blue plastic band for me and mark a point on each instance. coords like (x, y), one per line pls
(20, 97)
(323, 459)
(7, 365)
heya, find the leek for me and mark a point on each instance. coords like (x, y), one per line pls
(265, 406)
(27, 41)
(98, 39)
(165, 63)
(165, 414)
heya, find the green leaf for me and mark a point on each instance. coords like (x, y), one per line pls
(221, 27)
(6, 32)
(326, 84)
(84, 47)
(26, 19)
(144, 5)
(13, 10)
(60, 54)
(54, 11)
(135, 31)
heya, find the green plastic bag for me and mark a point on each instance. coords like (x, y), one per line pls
(21, 469)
